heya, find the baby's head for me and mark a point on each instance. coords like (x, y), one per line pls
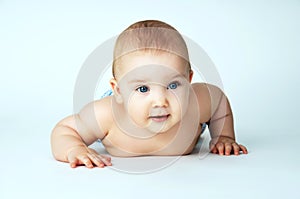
(148, 37)
(152, 74)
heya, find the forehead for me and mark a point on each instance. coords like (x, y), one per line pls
(149, 63)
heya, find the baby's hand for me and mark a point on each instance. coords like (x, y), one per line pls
(225, 146)
(82, 155)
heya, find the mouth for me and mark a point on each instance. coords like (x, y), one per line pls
(160, 118)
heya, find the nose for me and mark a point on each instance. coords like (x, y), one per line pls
(159, 99)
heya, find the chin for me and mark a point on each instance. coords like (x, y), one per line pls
(159, 130)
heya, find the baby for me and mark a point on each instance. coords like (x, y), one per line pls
(154, 109)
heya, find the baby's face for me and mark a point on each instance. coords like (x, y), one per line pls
(154, 89)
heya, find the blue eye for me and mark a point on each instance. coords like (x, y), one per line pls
(142, 89)
(173, 85)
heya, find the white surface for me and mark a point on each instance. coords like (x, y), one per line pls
(254, 45)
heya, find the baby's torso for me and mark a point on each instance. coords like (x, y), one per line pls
(177, 141)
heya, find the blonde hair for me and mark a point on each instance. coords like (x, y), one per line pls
(149, 36)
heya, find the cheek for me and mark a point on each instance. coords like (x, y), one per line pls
(137, 109)
(127, 96)
(180, 100)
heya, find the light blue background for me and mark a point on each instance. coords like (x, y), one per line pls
(255, 46)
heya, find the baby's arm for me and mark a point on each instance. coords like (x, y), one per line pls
(221, 128)
(71, 136)
(217, 113)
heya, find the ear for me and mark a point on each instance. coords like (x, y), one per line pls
(191, 75)
(114, 86)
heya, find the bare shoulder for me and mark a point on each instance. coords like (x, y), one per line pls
(103, 107)
(98, 115)
(208, 97)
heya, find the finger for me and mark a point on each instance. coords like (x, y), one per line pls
(73, 162)
(106, 160)
(215, 150)
(86, 161)
(236, 149)
(212, 148)
(244, 149)
(101, 160)
(96, 160)
(220, 147)
(228, 148)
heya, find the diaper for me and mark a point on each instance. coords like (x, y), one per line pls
(107, 93)
(203, 127)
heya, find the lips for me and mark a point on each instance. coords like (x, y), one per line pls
(159, 118)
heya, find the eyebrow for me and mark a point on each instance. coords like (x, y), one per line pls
(137, 81)
(177, 76)
(145, 80)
